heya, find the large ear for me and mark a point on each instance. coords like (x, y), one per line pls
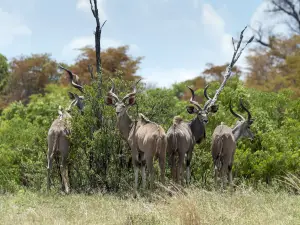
(214, 108)
(71, 95)
(76, 96)
(131, 100)
(109, 100)
(191, 109)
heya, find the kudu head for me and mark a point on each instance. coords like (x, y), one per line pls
(76, 99)
(202, 113)
(243, 125)
(121, 105)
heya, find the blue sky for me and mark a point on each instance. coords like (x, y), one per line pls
(176, 37)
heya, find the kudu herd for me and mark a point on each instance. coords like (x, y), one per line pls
(148, 140)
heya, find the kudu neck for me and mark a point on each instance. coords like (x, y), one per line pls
(124, 123)
(237, 132)
(198, 129)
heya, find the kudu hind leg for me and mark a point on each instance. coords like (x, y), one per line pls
(172, 163)
(188, 167)
(64, 174)
(49, 168)
(144, 180)
(230, 177)
(180, 169)
(136, 179)
(149, 161)
(162, 164)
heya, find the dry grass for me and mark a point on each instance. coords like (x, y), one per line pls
(194, 207)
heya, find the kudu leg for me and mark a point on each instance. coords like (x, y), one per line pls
(173, 166)
(149, 162)
(136, 177)
(143, 175)
(162, 163)
(224, 178)
(230, 178)
(180, 169)
(216, 177)
(49, 168)
(64, 174)
(188, 167)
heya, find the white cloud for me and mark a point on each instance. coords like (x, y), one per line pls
(211, 18)
(165, 78)
(196, 4)
(85, 6)
(215, 25)
(12, 27)
(71, 49)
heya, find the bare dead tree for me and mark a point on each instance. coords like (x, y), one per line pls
(289, 8)
(97, 33)
(261, 37)
(236, 55)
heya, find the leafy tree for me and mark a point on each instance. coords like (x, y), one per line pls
(214, 72)
(276, 68)
(30, 75)
(114, 61)
(3, 72)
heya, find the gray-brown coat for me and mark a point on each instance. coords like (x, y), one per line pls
(182, 137)
(145, 138)
(58, 141)
(224, 140)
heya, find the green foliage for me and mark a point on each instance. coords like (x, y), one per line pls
(3, 72)
(23, 132)
(100, 159)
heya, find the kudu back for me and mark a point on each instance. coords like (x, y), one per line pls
(182, 136)
(145, 138)
(224, 141)
(58, 136)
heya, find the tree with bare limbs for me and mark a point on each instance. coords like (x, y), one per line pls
(290, 9)
(97, 33)
(236, 55)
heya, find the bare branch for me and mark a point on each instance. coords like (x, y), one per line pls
(97, 33)
(289, 8)
(259, 36)
(233, 43)
(103, 24)
(236, 55)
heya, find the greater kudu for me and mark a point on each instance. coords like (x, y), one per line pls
(145, 138)
(182, 136)
(58, 141)
(224, 142)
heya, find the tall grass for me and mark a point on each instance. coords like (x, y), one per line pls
(194, 206)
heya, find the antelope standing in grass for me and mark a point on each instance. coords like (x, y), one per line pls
(182, 136)
(145, 138)
(58, 141)
(224, 142)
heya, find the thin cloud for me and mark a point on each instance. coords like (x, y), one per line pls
(12, 27)
(84, 5)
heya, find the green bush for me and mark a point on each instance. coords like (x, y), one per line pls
(100, 159)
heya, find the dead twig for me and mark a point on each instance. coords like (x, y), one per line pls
(236, 55)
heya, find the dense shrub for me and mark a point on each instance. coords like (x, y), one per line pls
(100, 159)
